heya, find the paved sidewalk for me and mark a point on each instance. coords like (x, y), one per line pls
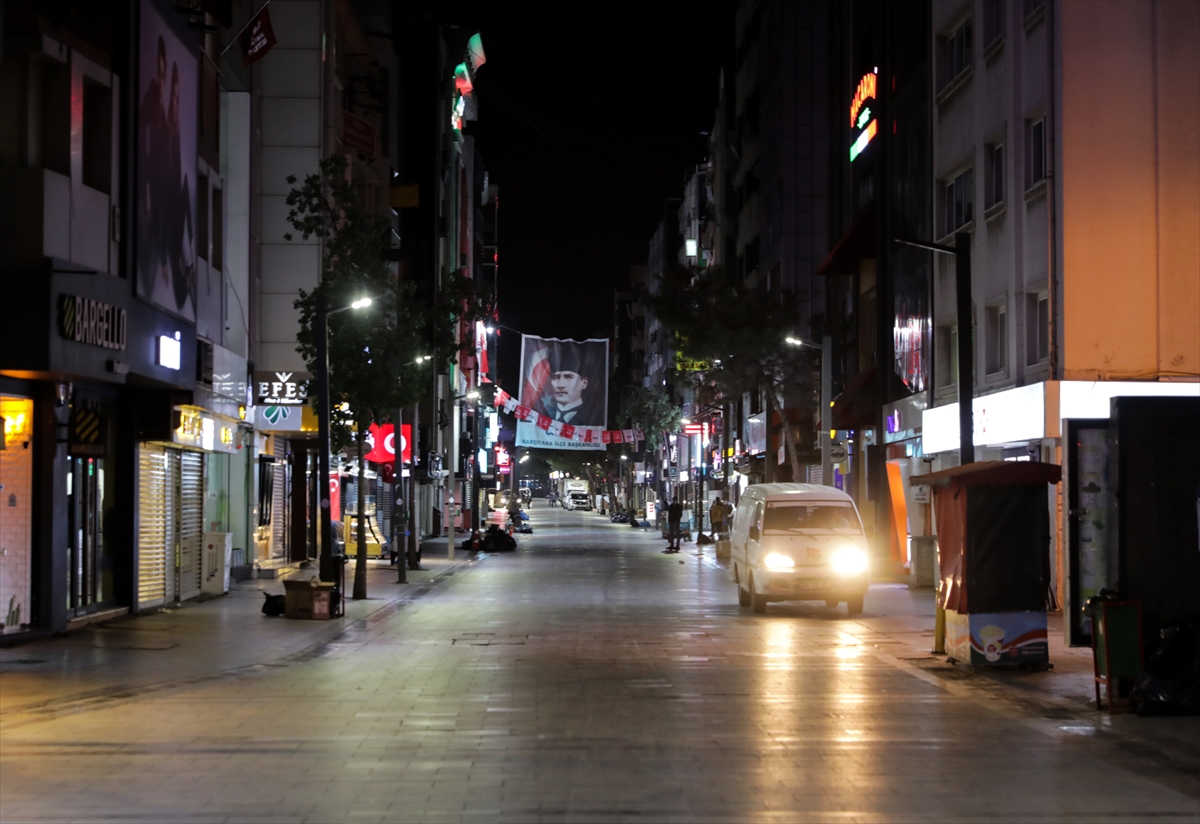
(195, 641)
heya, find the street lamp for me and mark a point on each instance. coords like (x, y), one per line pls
(826, 347)
(323, 421)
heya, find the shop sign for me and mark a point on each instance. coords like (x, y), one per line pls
(281, 388)
(285, 419)
(1010, 416)
(863, 124)
(84, 320)
(920, 494)
(838, 453)
(189, 427)
(86, 434)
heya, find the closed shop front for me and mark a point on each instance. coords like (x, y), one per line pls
(170, 524)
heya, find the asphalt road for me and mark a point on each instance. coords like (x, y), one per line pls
(585, 677)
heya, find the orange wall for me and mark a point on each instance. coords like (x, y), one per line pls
(1130, 178)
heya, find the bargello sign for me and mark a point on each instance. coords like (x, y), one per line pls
(281, 388)
(89, 321)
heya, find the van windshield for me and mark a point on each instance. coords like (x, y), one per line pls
(827, 517)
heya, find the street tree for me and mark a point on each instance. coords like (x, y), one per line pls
(380, 358)
(650, 410)
(736, 332)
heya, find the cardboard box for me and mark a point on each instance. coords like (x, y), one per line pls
(307, 600)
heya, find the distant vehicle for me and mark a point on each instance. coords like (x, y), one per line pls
(798, 542)
(577, 500)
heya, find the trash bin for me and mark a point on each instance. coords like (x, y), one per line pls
(307, 600)
(1117, 655)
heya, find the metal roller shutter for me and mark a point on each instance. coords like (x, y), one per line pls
(279, 494)
(154, 516)
(191, 522)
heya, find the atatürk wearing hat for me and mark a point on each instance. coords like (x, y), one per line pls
(568, 398)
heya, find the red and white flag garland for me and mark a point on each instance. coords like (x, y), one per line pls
(581, 434)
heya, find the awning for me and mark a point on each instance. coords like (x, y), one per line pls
(856, 245)
(992, 473)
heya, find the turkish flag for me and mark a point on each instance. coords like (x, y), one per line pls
(382, 441)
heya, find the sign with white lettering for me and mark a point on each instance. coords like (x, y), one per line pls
(89, 321)
(281, 388)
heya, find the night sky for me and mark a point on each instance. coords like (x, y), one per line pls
(587, 124)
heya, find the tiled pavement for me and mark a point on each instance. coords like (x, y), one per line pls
(586, 677)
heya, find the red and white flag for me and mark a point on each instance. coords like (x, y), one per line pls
(629, 436)
(555, 428)
(568, 431)
(543, 422)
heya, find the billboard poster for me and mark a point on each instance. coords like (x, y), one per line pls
(166, 173)
(565, 385)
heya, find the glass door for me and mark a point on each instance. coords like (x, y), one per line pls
(84, 482)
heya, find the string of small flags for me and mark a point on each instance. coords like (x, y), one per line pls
(581, 434)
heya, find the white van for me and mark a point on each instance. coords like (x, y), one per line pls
(798, 542)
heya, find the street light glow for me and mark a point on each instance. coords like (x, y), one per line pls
(489, 329)
(794, 341)
(473, 395)
(360, 303)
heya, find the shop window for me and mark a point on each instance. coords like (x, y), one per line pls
(993, 190)
(16, 512)
(1035, 148)
(997, 339)
(958, 201)
(1037, 328)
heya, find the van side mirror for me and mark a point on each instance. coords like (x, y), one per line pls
(754, 534)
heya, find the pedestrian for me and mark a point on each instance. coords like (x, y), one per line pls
(514, 512)
(674, 516)
(716, 516)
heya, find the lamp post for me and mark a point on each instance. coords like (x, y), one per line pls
(323, 421)
(826, 347)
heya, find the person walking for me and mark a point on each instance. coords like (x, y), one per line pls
(716, 517)
(674, 516)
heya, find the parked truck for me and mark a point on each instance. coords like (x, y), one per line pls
(576, 494)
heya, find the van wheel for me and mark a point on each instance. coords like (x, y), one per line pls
(758, 602)
(743, 594)
(854, 605)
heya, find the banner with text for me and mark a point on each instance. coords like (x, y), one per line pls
(563, 400)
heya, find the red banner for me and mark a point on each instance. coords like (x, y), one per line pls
(257, 38)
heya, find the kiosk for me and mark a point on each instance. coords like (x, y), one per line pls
(993, 524)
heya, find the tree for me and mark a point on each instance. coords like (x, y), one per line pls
(377, 358)
(738, 330)
(650, 410)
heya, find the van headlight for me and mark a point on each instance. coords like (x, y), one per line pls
(849, 560)
(778, 561)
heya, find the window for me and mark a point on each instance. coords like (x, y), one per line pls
(993, 21)
(202, 216)
(97, 136)
(997, 339)
(947, 355)
(1033, 6)
(959, 201)
(1035, 161)
(1037, 328)
(218, 229)
(957, 53)
(993, 189)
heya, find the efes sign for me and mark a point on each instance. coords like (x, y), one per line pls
(89, 321)
(281, 388)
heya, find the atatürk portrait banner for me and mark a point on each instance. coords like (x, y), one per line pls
(564, 393)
